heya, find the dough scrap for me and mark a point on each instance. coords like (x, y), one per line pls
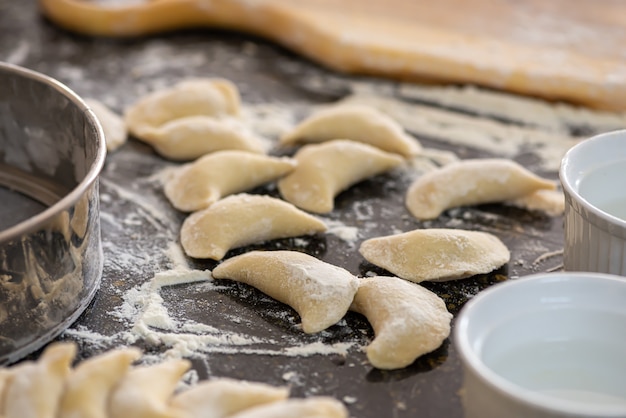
(436, 254)
(90, 384)
(324, 170)
(471, 182)
(146, 391)
(192, 137)
(197, 185)
(34, 389)
(192, 97)
(220, 398)
(113, 125)
(314, 407)
(321, 293)
(243, 219)
(358, 123)
(408, 320)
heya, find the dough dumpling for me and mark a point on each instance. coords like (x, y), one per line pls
(113, 125)
(202, 96)
(408, 320)
(436, 254)
(34, 388)
(194, 136)
(240, 220)
(321, 293)
(356, 122)
(315, 407)
(146, 391)
(220, 398)
(471, 182)
(90, 384)
(324, 170)
(197, 185)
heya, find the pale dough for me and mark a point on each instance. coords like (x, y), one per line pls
(408, 320)
(358, 123)
(315, 407)
(551, 202)
(193, 97)
(436, 254)
(221, 398)
(34, 389)
(113, 125)
(324, 170)
(192, 137)
(321, 293)
(471, 182)
(243, 219)
(145, 391)
(197, 185)
(90, 384)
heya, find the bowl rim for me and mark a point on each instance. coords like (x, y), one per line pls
(471, 360)
(570, 187)
(31, 224)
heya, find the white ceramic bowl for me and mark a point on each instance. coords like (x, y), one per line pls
(545, 345)
(593, 175)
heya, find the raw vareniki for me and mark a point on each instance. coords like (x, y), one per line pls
(320, 292)
(471, 182)
(326, 169)
(358, 123)
(240, 220)
(318, 407)
(197, 185)
(436, 254)
(408, 320)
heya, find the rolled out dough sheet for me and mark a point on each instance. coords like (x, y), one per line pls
(571, 50)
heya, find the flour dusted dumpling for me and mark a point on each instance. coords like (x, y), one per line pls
(550, 202)
(356, 122)
(314, 407)
(436, 254)
(113, 125)
(194, 97)
(90, 384)
(146, 391)
(326, 169)
(34, 388)
(197, 185)
(471, 182)
(240, 220)
(220, 398)
(194, 136)
(321, 293)
(408, 320)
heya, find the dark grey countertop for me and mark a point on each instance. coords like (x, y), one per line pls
(138, 225)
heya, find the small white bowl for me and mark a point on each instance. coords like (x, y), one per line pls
(545, 345)
(593, 175)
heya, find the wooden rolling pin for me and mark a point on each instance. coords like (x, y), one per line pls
(570, 50)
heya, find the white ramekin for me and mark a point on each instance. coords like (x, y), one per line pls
(592, 173)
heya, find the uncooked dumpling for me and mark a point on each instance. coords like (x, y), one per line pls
(550, 202)
(197, 185)
(146, 391)
(471, 182)
(194, 136)
(321, 293)
(315, 407)
(113, 125)
(436, 254)
(34, 389)
(326, 169)
(90, 384)
(358, 123)
(240, 220)
(220, 398)
(202, 96)
(408, 320)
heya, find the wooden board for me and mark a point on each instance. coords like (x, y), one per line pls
(572, 50)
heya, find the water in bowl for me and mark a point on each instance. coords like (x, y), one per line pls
(604, 188)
